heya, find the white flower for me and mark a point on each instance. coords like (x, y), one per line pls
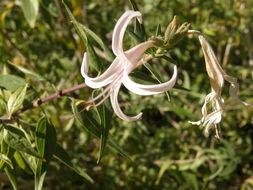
(123, 64)
(217, 76)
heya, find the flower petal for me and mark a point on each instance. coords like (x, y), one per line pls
(214, 70)
(234, 87)
(134, 54)
(212, 119)
(104, 79)
(116, 108)
(142, 89)
(119, 30)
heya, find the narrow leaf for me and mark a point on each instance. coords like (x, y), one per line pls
(98, 40)
(30, 9)
(16, 139)
(16, 99)
(6, 160)
(93, 58)
(88, 121)
(156, 75)
(105, 116)
(139, 27)
(61, 155)
(28, 72)
(11, 82)
(12, 176)
(45, 142)
(21, 162)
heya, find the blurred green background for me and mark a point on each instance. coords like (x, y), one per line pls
(166, 151)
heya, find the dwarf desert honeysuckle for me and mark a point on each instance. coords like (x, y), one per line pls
(124, 63)
(217, 76)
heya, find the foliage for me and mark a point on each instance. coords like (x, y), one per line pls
(41, 48)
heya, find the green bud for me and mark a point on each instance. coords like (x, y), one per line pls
(158, 41)
(172, 28)
(177, 33)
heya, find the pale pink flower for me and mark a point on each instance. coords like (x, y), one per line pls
(124, 63)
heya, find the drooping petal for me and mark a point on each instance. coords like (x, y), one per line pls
(119, 30)
(211, 120)
(214, 70)
(142, 89)
(233, 89)
(104, 79)
(117, 109)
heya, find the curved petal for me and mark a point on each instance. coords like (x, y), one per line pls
(142, 89)
(116, 108)
(104, 79)
(133, 55)
(212, 120)
(119, 30)
(233, 89)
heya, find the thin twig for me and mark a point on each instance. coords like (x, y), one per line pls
(39, 101)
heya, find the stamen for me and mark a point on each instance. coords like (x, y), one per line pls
(80, 102)
(106, 89)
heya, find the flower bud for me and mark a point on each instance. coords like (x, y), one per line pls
(171, 29)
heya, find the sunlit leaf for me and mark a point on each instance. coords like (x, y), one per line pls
(16, 139)
(6, 160)
(21, 162)
(29, 73)
(16, 99)
(11, 82)
(30, 9)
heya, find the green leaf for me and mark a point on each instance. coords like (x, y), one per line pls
(30, 9)
(158, 30)
(105, 116)
(114, 146)
(156, 75)
(139, 27)
(21, 162)
(98, 40)
(12, 176)
(28, 72)
(191, 179)
(45, 138)
(89, 122)
(45, 142)
(138, 39)
(11, 82)
(6, 160)
(163, 168)
(93, 57)
(141, 77)
(61, 155)
(75, 23)
(86, 119)
(16, 99)
(16, 139)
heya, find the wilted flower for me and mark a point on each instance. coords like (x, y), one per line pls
(123, 64)
(217, 76)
